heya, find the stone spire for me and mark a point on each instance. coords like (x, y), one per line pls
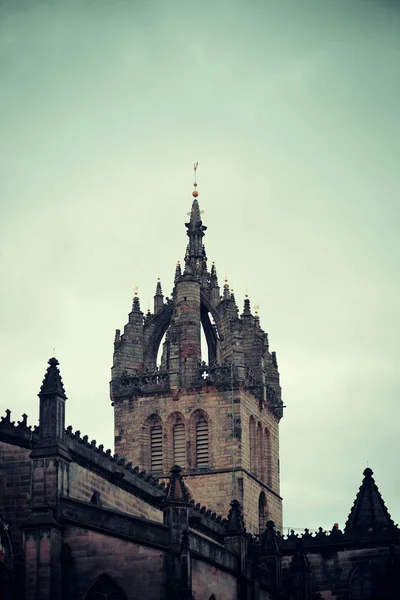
(52, 384)
(195, 253)
(368, 512)
(215, 298)
(158, 298)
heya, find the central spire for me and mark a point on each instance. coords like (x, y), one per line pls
(195, 257)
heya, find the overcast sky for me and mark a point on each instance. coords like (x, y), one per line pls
(292, 108)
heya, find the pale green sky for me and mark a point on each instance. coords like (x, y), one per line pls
(292, 108)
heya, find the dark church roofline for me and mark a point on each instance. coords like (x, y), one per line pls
(113, 468)
(144, 486)
(21, 434)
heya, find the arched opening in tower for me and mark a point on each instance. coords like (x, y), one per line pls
(162, 353)
(204, 347)
(208, 337)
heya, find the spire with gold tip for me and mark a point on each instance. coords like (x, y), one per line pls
(195, 254)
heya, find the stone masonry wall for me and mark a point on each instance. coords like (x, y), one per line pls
(134, 567)
(83, 483)
(208, 580)
(15, 485)
(228, 445)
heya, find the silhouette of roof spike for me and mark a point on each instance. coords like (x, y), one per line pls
(235, 521)
(52, 382)
(269, 542)
(159, 288)
(177, 491)
(299, 561)
(368, 512)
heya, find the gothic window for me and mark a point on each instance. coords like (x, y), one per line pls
(202, 443)
(360, 584)
(156, 448)
(268, 457)
(179, 444)
(105, 588)
(253, 445)
(262, 512)
(260, 452)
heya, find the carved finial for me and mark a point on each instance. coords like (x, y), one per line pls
(136, 301)
(235, 522)
(176, 490)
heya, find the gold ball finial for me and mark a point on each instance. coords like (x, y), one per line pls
(195, 193)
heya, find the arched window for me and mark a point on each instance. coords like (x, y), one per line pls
(105, 588)
(179, 444)
(360, 584)
(268, 457)
(202, 443)
(156, 448)
(260, 452)
(253, 445)
(262, 512)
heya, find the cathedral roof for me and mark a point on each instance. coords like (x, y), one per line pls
(52, 382)
(368, 512)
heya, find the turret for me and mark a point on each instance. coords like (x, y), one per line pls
(52, 414)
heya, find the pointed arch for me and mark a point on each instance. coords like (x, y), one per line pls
(200, 440)
(260, 452)
(152, 456)
(154, 331)
(253, 445)
(360, 583)
(105, 588)
(262, 512)
(176, 429)
(268, 457)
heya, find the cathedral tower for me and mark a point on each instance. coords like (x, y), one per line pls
(218, 421)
